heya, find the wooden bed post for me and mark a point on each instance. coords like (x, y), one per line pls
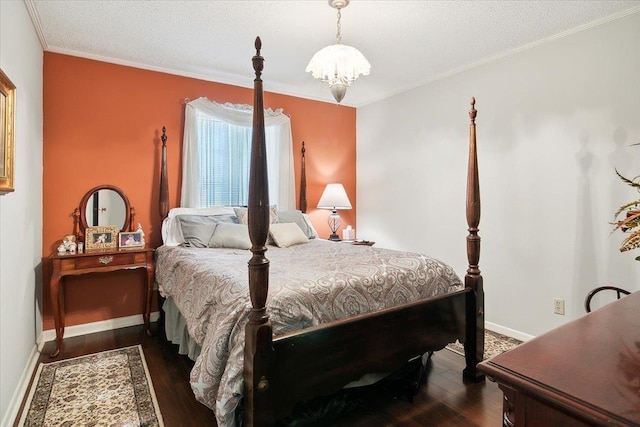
(258, 333)
(163, 206)
(303, 181)
(474, 342)
(164, 185)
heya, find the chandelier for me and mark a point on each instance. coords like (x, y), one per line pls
(338, 65)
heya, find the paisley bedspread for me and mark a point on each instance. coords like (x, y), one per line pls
(309, 284)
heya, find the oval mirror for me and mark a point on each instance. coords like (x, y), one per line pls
(105, 205)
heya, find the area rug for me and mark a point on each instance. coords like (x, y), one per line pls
(111, 388)
(494, 343)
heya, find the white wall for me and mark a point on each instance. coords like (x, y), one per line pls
(553, 123)
(20, 211)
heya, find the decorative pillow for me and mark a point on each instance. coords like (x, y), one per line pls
(196, 230)
(243, 215)
(297, 217)
(232, 236)
(287, 234)
(171, 232)
(314, 232)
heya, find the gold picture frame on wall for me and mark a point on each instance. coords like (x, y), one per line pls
(7, 130)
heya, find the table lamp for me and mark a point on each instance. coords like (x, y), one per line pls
(334, 197)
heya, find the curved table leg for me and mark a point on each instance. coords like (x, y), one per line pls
(147, 305)
(57, 302)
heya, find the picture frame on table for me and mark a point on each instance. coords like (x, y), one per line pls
(7, 130)
(101, 238)
(130, 240)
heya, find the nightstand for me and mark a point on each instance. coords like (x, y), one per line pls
(97, 262)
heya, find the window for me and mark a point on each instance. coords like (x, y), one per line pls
(225, 154)
(217, 151)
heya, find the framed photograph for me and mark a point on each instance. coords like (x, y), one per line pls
(105, 237)
(130, 240)
(7, 126)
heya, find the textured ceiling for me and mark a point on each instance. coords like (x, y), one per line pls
(408, 43)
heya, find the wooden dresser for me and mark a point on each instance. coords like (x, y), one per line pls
(97, 262)
(584, 373)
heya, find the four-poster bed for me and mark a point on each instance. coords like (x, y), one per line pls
(426, 305)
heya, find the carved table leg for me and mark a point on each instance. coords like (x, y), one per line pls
(150, 280)
(508, 407)
(57, 302)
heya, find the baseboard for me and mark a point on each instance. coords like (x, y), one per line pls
(508, 331)
(90, 328)
(21, 389)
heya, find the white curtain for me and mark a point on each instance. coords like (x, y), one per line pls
(278, 140)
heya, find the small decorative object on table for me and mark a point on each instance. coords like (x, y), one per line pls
(68, 245)
(69, 242)
(139, 230)
(363, 242)
(131, 240)
(349, 233)
(101, 238)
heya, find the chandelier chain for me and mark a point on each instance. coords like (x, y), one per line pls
(338, 35)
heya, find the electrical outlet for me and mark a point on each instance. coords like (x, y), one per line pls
(558, 306)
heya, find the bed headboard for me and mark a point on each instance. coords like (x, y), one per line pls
(164, 180)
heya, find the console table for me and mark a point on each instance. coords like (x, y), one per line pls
(97, 262)
(584, 373)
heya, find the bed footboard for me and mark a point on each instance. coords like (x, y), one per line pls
(321, 360)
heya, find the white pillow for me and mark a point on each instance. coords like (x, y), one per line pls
(287, 234)
(233, 236)
(298, 217)
(171, 230)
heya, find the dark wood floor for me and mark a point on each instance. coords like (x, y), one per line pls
(443, 400)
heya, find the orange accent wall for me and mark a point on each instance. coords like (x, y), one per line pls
(102, 125)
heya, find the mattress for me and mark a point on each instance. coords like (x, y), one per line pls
(309, 284)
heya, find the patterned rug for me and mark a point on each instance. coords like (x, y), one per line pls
(494, 343)
(111, 388)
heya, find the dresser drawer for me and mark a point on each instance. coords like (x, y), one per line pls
(102, 260)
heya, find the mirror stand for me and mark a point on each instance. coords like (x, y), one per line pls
(76, 224)
(132, 215)
(112, 201)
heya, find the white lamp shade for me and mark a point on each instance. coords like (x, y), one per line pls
(334, 196)
(338, 63)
